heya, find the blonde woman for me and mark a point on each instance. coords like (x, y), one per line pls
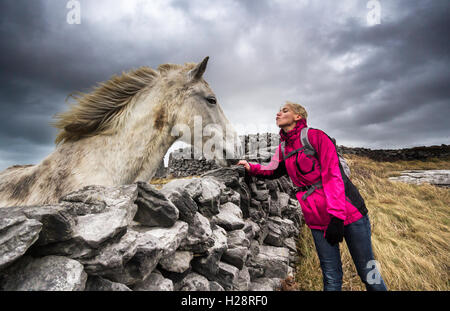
(332, 207)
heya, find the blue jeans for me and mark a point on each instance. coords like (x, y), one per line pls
(357, 236)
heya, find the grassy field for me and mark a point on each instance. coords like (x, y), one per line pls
(410, 230)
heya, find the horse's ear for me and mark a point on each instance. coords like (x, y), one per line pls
(199, 70)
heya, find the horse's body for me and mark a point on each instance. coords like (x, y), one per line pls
(118, 134)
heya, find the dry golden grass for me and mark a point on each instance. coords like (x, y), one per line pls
(160, 182)
(410, 232)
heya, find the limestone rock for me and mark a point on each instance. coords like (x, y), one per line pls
(209, 200)
(207, 265)
(227, 276)
(199, 237)
(97, 199)
(273, 260)
(186, 206)
(434, 177)
(57, 223)
(179, 262)
(229, 217)
(193, 282)
(17, 234)
(97, 283)
(97, 228)
(243, 282)
(265, 284)
(154, 209)
(154, 282)
(215, 287)
(51, 273)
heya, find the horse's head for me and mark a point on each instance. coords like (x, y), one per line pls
(198, 115)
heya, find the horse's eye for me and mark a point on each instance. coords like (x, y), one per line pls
(212, 100)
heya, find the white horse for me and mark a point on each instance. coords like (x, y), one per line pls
(119, 133)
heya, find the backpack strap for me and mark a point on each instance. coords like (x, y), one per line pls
(290, 153)
(282, 148)
(309, 149)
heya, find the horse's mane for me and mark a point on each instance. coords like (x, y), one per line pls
(94, 112)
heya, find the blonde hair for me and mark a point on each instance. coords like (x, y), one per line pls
(298, 109)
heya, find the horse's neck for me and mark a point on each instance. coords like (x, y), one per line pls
(133, 152)
(122, 158)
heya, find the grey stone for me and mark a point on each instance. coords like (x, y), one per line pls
(236, 256)
(215, 287)
(208, 265)
(265, 284)
(17, 234)
(273, 260)
(290, 244)
(186, 206)
(229, 217)
(192, 186)
(154, 209)
(433, 177)
(138, 253)
(199, 237)
(89, 234)
(243, 282)
(57, 223)
(251, 229)
(154, 282)
(51, 273)
(237, 238)
(226, 175)
(94, 229)
(278, 230)
(227, 275)
(274, 208)
(209, 200)
(283, 201)
(179, 262)
(113, 257)
(98, 199)
(255, 273)
(97, 283)
(261, 195)
(152, 245)
(193, 282)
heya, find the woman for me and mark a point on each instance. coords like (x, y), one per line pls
(332, 206)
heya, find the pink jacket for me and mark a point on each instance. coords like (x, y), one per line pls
(330, 200)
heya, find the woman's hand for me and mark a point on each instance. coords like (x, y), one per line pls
(245, 164)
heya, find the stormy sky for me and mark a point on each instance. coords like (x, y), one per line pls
(379, 85)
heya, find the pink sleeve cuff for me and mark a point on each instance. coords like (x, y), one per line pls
(254, 168)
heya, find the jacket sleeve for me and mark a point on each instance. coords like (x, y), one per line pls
(275, 169)
(332, 182)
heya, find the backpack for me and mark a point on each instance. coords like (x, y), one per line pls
(309, 150)
(351, 192)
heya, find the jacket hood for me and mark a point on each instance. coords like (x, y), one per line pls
(294, 133)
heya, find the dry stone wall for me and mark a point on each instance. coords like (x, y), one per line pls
(260, 147)
(224, 230)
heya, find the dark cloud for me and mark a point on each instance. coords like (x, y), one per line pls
(384, 86)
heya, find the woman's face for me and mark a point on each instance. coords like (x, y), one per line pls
(286, 117)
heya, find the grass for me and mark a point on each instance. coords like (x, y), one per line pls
(410, 232)
(160, 182)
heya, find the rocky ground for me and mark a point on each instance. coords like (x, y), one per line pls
(434, 177)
